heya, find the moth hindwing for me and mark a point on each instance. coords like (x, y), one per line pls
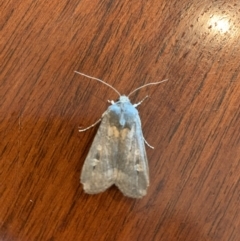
(117, 155)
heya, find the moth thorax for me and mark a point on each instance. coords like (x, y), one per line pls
(124, 98)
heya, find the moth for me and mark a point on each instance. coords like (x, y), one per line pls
(117, 155)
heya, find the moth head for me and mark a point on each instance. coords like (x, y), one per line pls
(123, 99)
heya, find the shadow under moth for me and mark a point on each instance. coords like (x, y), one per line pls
(117, 155)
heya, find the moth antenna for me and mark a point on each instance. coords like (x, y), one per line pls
(81, 130)
(154, 83)
(148, 143)
(90, 77)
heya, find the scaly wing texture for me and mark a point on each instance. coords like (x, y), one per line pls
(99, 167)
(132, 165)
(117, 156)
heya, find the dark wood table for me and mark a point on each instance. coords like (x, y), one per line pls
(192, 120)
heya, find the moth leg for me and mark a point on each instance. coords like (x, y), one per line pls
(148, 143)
(81, 130)
(139, 103)
(111, 102)
(135, 105)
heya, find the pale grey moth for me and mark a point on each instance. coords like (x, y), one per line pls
(117, 155)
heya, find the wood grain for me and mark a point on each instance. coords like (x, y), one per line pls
(192, 120)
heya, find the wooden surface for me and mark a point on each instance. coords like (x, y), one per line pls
(193, 120)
